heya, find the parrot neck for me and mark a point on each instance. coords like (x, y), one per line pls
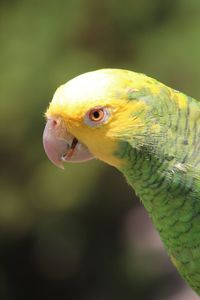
(164, 174)
(164, 166)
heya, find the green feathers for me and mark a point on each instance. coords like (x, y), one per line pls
(152, 135)
(165, 172)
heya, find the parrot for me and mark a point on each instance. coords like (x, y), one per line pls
(151, 134)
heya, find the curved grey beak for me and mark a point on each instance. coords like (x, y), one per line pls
(60, 146)
(54, 146)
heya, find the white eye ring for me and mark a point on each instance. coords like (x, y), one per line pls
(96, 116)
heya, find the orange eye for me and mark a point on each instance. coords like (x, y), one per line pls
(96, 114)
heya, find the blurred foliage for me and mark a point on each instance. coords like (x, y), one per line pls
(81, 234)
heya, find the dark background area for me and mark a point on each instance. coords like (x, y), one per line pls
(81, 233)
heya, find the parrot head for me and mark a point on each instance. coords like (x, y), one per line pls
(91, 115)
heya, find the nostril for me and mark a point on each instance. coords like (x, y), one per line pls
(54, 123)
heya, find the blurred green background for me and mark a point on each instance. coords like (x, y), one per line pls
(81, 233)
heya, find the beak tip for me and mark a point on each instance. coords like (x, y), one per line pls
(55, 160)
(61, 166)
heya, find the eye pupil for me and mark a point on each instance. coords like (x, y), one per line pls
(96, 114)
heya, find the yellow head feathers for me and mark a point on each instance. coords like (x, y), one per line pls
(109, 89)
